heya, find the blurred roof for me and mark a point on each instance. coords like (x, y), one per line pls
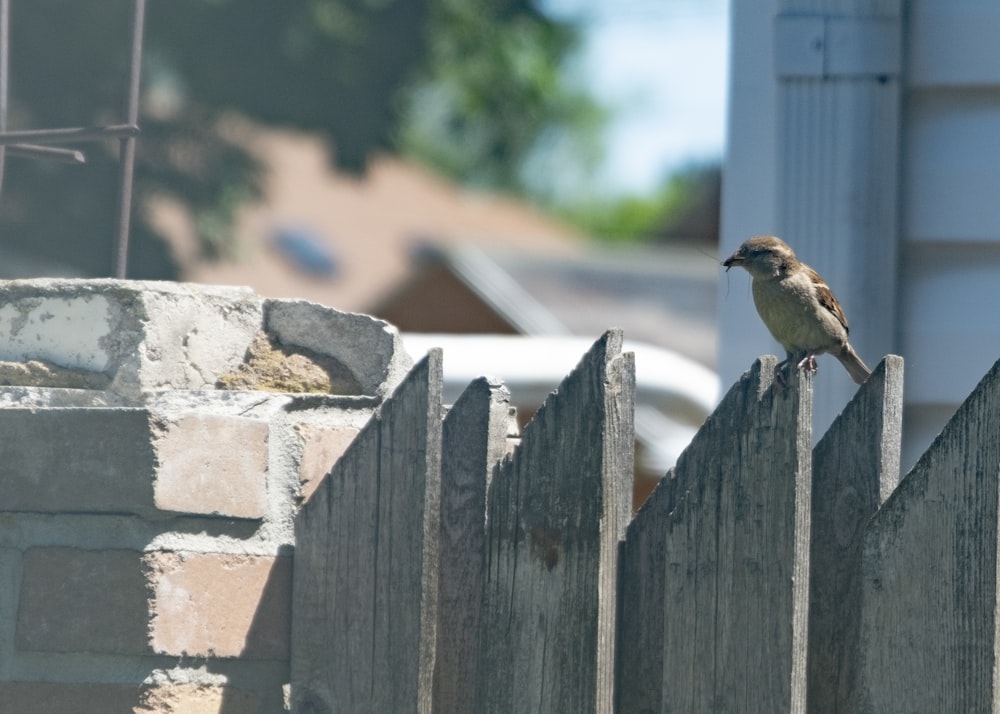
(369, 225)
(664, 297)
(661, 296)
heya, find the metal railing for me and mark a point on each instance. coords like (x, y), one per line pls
(45, 143)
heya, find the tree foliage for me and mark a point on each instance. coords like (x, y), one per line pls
(685, 209)
(494, 94)
(467, 85)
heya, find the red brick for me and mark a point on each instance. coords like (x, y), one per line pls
(220, 605)
(77, 459)
(118, 460)
(196, 699)
(212, 464)
(75, 600)
(67, 698)
(321, 448)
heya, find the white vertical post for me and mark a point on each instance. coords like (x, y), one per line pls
(838, 67)
(749, 183)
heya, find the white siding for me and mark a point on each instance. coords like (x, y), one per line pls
(949, 329)
(953, 42)
(951, 164)
(950, 319)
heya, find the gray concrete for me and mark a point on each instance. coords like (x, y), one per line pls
(145, 337)
(370, 348)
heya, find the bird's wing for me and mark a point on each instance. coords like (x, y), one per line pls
(826, 298)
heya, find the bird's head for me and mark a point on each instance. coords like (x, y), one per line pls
(762, 257)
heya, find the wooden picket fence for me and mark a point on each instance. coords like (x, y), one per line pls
(439, 568)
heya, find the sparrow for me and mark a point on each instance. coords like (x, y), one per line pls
(797, 306)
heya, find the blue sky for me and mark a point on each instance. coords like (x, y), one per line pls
(662, 65)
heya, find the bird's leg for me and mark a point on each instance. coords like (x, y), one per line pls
(781, 368)
(779, 373)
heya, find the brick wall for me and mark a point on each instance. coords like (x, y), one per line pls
(146, 515)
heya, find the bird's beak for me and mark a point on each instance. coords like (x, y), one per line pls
(734, 259)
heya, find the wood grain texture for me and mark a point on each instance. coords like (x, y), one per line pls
(714, 587)
(929, 577)
(643, 566)
(366, 572)
(556, 511)
(855, 468)
(473, 444)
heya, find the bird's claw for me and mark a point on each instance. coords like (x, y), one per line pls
(807, 363)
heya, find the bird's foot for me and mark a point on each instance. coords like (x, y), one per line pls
(808, 363)
(783, 368)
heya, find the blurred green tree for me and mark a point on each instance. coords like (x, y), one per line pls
(493, 99)
(685, 209)
(469, 86)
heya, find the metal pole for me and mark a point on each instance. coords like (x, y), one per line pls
(127, 158)
(68, 135)
(33, 151)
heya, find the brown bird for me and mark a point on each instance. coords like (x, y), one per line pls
(797, 306)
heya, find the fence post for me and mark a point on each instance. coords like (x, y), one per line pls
(715, 566)
(366, 571)
(556, 512)
(929, 578)
(473, 443)
(855, 467)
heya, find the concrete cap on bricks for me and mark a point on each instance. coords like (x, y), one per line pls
(136, 337)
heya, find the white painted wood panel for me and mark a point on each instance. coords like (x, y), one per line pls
(953, 42)
(951, 166)
(949, 319)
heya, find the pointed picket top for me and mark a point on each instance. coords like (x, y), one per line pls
(929, 585)
(715, 565)
(556, 510)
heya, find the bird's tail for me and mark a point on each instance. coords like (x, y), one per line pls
(856, 368)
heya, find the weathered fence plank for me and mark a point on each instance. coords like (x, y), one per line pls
(473, 443)
(714, 588)
(556, 512)
(929, 588)
(365, 585)
(855, 468)
(643, 568)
